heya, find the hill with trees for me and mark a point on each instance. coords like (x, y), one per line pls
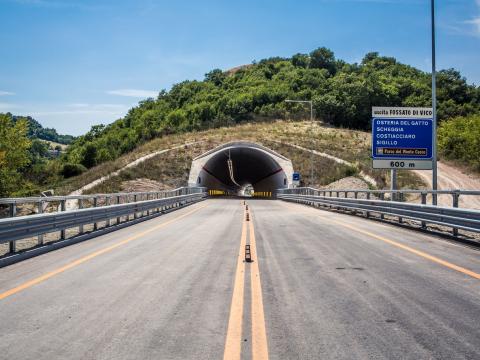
(342, 93)
(26, 161)
(36, 131)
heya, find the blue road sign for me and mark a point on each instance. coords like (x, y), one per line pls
(296, 176)
(401, 138)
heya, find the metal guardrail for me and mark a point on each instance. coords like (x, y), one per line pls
(16, 228)
(116, 196)
(398, 195)
(453, 217)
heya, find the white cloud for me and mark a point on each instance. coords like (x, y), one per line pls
(4, 93)
(116, 110)
(137, 93)
(476, 23)
(7, 106)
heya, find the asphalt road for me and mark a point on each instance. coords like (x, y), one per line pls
(322, 286)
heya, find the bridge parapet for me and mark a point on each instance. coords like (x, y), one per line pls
(101, 213)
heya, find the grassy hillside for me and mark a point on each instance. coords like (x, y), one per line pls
(171, 168)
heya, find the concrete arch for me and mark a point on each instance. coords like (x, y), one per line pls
(253, 164)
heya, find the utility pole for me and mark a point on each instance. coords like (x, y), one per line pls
(434, 108)
(312, 138)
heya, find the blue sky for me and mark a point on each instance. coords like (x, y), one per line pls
(72, 63)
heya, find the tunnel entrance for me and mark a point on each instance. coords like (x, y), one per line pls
(239, 166)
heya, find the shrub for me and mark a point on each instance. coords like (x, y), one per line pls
(70, 170)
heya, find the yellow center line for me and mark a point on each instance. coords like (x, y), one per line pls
(401, 246)
(259, 333)
(88, 257)
(233, 342)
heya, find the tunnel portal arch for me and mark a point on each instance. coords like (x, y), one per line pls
(252, 164)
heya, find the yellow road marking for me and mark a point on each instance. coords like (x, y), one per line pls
(233, 342)
(259, 334)
(406, 248)
(77, 262)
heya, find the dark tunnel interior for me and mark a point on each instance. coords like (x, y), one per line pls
(249, 167)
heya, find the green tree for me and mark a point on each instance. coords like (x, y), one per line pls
(215, 76)
(300, 60)
(89, 156)
(14, 156)
(323, 58)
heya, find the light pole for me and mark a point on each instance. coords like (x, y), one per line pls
(434, 108)
(311, 131)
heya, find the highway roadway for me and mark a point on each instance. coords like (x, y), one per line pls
(321, 285)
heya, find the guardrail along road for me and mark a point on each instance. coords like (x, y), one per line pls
(320, 285)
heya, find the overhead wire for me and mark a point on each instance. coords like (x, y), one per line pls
(230, 169)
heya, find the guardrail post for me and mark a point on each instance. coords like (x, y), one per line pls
(80, 206)
(62, 208)
(424, 202)
(95, 204)
(367, 214)
(118, 202)
(40, 211)
(382, 197)
(135, 214)
(13, 213)
(107, 203)
(456, 198)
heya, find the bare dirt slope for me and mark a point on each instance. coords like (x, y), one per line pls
(130, 165)
(144, 185)
(452, 178)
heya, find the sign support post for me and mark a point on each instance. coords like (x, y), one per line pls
(393, 183)
(434, 108)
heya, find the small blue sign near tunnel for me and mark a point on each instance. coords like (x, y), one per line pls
(296, 176)
(402, 138)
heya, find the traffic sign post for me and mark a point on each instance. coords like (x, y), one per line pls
(402, 138)
(296, 179)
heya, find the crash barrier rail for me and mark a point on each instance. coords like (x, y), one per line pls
(374, 202)
(113, 209)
